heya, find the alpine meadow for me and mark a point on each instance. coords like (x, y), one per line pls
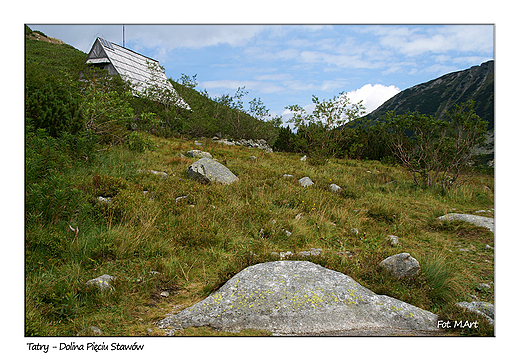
(107, 192)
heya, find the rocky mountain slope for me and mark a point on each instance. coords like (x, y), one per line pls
(439, 95)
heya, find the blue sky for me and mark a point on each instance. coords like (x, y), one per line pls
(287, 64)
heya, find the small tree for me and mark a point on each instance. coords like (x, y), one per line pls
(106, 113)
(436, 150)
(324, 129)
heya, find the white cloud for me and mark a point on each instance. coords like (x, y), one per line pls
(436, 39)
(372, 95)
(191, 36)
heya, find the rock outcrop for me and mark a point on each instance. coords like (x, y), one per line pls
(300, 298)
(480, 221)
(483, 308)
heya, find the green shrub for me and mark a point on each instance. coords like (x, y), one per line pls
(137, 142)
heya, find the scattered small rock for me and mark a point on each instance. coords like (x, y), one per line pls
(102, 282)
(165, 294)
(198, 154)
(163, 174)
(488, 247)
(282, 255)
(259, 143)
(394, 240)
(401, 265)
(463, 250)
(305, 182)
(354, 230)
(345, 253)
(299, 216)
(484, 286)
(287, 176)
(312, 252)
(95, 330)
(104, 200)
(335, 188)
(178, 199)
(303, 159)
(252, 158)
(149, 195)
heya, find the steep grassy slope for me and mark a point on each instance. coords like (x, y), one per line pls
(152, 241)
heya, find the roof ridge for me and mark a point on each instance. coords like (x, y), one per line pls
(122, 47)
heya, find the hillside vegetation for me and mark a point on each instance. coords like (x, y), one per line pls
(157, 234)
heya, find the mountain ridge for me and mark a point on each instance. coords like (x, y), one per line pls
(437, 96)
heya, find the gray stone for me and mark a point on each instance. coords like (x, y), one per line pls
(335, 188)
(165, 294)
(101, 282)
(488, 247)
(483, 308)
(484, 286)
(401, 265)
(303, 159)
(282, 255)
(354, 231)
(300, 298)
(178, 199)
(198, 154)
(259, 143)
(306, 182)
(312, 252)
(207, 170)
(479, 221)
(104, 200)
(394, 240)
(95, 330)
(287, 176)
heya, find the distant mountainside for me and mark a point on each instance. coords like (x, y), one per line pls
(439, 95)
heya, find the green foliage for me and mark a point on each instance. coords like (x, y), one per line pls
(106, 114)
(435, 150)
(323, 131)
(138, 142)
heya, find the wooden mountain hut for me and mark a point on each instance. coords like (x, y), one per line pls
(141, 71)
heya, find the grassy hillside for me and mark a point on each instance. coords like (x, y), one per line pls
(151, 241)
(173, 234)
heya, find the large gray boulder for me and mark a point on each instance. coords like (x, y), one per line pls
(401, 265)
(479, 221)
(207, 170)
(301, 298)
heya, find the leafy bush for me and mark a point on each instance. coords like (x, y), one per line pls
(139, 143)
(436, 150)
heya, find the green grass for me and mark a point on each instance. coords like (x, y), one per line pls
(152, 243)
